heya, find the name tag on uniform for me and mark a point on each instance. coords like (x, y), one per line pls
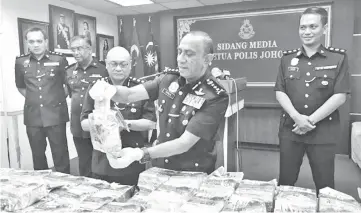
(95, 76)
(84, 81)
(326, 67)
(293, 69)
(51, 64)
(167, 93)
(194, 101)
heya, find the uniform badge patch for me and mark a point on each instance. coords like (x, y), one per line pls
(324, 83)
(293, 69)
(75, 72)
(173, 87)
(51, 64)
(194, 101)
(168, 94)
(26, 63)
(294, 61)
(326, 67)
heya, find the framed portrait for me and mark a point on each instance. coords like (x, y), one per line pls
(23, 26)
(104, 44)
(61, 28)
(86, 25)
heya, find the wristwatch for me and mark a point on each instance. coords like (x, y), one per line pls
(146, 156)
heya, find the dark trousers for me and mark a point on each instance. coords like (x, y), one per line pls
(58, 145)
(129, 179)
(321, 158)
(84, 148)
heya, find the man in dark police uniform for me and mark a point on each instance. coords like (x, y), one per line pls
(78, 78)
(191, 107)
(139, 115)
(312, 83)
(39, 77)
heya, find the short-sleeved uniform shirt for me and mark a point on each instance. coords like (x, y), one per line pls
(309, 82)
(130, 111)
(78, 81)
(196, 107)
(43, 79)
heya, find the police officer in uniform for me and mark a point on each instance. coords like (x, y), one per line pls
(191, 103)
(312, 83)
(139, 115)
(39, 77)
(78, 78)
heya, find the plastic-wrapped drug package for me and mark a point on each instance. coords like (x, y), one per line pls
(261, 191)
(187, 179)
(120, 208)
(237, 203)
(16, 195)
(73, 195)
(196, 204)
(295, 199)
(331, 200)
(152, 178)
(48, 205)
(139, 200)
(56, 179)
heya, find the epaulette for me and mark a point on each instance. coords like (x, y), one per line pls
(216, 86)
(287, 52)
(55, 53)
(67, 67)
(336, 50)
(135, 80)
(22, 55)
(168, 70)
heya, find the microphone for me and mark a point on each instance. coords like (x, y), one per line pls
(227, 74)
(217, 73)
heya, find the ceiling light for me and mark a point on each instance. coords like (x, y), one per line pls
(127, 3)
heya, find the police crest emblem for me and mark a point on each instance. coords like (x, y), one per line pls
(26, 63)
(246, 30)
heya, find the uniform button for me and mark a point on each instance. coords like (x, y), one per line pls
(307, 84)
(174, 106)
(306, 106)
(185, 122)
(83, 88)
(325, 76)
(166, 161)
(308, 74)
(163, 101)
(38, 70)
(81, 104)
(39, 88)
(169, 120)
(39, 79)
(136, 144)
(309, 63)
(283, 115)
(306, 95)
(81, 96)
(291, 76)
(180, 93)
(40, 96)
(196, 164)
(168, 135)
(38, 62)
(41, 105)
(84, 72)
(193, 113)
(330, 118)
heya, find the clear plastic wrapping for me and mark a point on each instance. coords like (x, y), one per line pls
(331, 200)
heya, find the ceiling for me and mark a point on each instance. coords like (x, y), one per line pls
(159, 5)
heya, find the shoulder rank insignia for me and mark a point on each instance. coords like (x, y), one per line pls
(336, 50)
(215, 85)
(287, 52)
(135, 80)
(22, 55)
(171, 71)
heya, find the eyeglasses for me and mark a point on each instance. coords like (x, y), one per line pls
(79, 49)
(114, 64)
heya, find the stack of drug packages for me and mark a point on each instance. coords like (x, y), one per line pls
(330, 200)
(295, 199)
(46, 191)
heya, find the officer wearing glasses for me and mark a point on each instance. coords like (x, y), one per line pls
(79, 76)
(140, 116)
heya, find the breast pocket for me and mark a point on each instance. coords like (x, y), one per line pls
(325, 79)
(292, 75)
(186, 114)
(133, 111)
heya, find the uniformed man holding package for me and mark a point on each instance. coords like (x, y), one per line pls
(312, 83)
(192, 105)
(79, 76)
(39, 77)
(139, 115)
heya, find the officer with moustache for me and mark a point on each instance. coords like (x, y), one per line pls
(79, 76)
(191, 103)
(140, 116)
(39, 77)
(312, 83)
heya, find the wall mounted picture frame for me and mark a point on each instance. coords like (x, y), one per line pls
(23, 26)
(104, 44)
(61, 28)
(86, 25)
